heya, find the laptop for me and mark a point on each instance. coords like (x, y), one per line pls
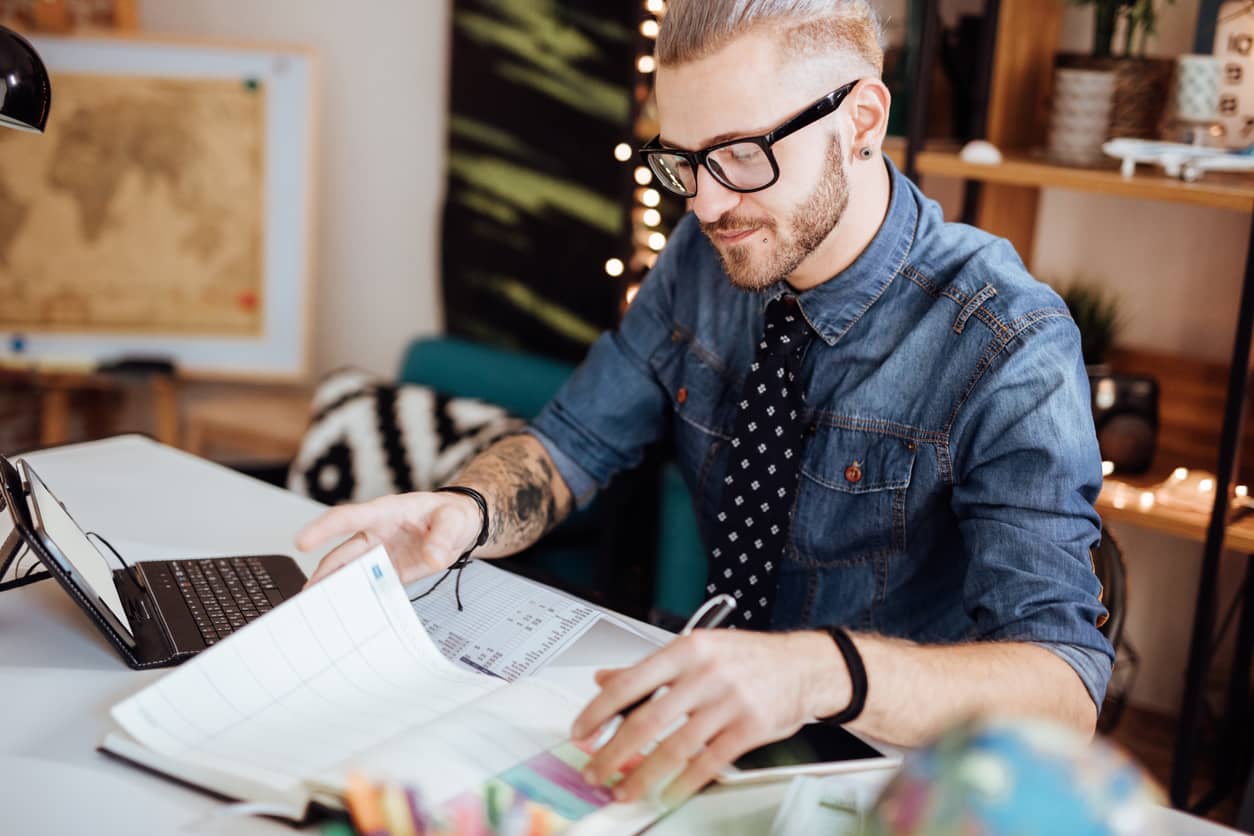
(154, 613)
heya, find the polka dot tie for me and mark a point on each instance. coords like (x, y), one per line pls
(763, 463)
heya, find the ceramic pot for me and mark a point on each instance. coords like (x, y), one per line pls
(1142, 86)
(1080, 114)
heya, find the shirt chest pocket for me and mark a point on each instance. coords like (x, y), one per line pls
(699, 398)
(851, 503)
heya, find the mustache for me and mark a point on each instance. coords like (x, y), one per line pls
(736, 223)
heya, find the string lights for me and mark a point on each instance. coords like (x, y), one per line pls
(647, 237)
(1189, 491)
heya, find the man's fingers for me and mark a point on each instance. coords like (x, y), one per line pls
(630, 684)
(650, 721)
(673, 754)
(605, 675)
(339, 522)
(728, 745)
(346, 552)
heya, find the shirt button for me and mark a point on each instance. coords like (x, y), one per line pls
(676, 336)
(853, 473)
(682, 394)
(911, 446)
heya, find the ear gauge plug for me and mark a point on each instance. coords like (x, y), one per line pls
(865, 152)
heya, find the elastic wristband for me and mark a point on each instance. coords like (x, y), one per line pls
(483, 509)
(857, 677)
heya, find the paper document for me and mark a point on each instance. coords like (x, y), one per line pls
(332, 673)
(509, 626)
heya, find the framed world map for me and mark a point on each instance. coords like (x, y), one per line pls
(166, 209)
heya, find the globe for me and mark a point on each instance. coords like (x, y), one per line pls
(1003, 777)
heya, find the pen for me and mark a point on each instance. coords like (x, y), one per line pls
(708, 616)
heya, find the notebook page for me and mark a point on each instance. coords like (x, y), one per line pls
(330, 673)
(464, 749)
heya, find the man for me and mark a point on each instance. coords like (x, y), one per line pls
(884, 420)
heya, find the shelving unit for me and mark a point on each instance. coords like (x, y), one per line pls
(1002, 199)
(1232, 192)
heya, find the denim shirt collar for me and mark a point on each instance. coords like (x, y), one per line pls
(834, 306)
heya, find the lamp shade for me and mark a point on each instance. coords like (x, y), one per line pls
(25, 92)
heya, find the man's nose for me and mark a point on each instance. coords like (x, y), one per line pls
(713, 199)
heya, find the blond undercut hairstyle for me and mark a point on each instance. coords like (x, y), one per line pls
(847, 29)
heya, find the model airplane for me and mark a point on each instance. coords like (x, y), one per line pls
(1187, 162)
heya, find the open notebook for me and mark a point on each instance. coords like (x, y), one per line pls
(341, 677)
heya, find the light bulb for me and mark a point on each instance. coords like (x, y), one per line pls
(1108, 468)
(1242, 491)
(643, 175)
(1206, 486)
(650, 198)
(657, 240)
(646, 64)
(648, 28)
(614, 267)
(1147, 500)
(655, 6)
(622, 152)
(1180, 474)
(651, 217)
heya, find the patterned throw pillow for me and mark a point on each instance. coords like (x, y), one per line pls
(368, 438)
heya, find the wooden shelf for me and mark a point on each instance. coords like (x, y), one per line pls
(1233, 192)
(1180, 522)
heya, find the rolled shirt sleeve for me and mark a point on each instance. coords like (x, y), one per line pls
(1027, 470)
(612, 407)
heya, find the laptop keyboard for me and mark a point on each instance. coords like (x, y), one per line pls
(224, 594)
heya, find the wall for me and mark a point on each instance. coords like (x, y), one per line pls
(380, 175)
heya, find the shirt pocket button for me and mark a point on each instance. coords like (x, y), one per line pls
(682, 394)
(853, 473)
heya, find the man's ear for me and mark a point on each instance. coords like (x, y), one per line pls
(868, 108)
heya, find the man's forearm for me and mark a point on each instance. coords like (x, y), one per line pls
(915, 691)
(525, 494)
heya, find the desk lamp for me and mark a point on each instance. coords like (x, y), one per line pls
(25, 93)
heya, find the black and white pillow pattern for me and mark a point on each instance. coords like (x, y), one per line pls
(368, 438)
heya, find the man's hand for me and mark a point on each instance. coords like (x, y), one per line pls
(737, 689)
(422, 532)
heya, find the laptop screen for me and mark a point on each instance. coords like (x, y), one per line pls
(74, 547)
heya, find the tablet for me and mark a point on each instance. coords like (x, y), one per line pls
(86, 576)
(815, 749)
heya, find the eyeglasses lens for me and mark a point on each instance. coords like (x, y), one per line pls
(675, 174)
(742, 165)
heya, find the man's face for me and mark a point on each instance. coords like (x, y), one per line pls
(744, 90)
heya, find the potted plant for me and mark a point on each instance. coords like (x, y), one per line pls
(1096, 313)
(1142, 85)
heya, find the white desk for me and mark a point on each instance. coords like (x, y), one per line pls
(58, 676)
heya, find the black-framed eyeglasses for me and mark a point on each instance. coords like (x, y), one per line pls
(743, 165)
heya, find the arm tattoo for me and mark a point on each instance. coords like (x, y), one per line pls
(526, 496)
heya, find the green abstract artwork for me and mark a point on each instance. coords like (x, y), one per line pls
(536, 203)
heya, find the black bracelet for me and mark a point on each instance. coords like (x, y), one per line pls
(460, 563)
(857, 677)
(483, 509)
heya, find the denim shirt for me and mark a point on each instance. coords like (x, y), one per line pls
(942, 369)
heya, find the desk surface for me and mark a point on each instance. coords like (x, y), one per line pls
(59, 677)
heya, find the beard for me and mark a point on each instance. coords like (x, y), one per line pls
(796, 236)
